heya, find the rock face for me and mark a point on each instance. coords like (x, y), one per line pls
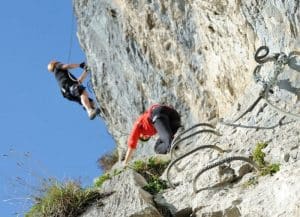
(127, 188)
(198, 57)
(250, 195)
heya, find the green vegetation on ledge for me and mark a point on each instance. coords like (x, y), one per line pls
(106, 176)
(154, 166)
(151, 170)
(265, 167)
(64, 200)
(259, 157)
(155, 185)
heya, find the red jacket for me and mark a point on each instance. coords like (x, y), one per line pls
(142, 125)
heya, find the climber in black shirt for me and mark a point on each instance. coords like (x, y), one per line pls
(71, 87)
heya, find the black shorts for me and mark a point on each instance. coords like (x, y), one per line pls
(166, 121)
(172, 115)
(74, 92)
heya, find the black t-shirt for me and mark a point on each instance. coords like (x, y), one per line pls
(64, 78)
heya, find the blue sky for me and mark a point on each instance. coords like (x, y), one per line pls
(42, 134)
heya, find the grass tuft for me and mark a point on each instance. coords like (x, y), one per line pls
(64, 200)
(98, 182)
(151, 170)
(259, 157)
(155, 185)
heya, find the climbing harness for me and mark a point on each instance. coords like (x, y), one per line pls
(71, 77)
(211, 166)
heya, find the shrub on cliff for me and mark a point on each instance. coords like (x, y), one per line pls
(259, 157)
(64, 200)
(151, 170)
(106, 161)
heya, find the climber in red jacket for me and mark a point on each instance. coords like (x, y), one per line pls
(160, 119)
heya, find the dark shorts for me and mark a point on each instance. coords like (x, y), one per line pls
(74, 92)
(166, 121)
(165, 112)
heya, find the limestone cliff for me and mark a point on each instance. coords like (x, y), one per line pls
(197, 56)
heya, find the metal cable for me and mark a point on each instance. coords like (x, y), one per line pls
(289, 114)
(281, 60)
(256, 127)
(249, 109)
(71, 37)
(185, 155)
(189, 136)
(225, 160)
(191, 128)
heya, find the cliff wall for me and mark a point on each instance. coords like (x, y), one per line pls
(198, 57)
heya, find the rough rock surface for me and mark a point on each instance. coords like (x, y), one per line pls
(127, 189)
(198, 57)
(253, 200)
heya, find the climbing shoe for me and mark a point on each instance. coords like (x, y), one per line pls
(93, 113)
